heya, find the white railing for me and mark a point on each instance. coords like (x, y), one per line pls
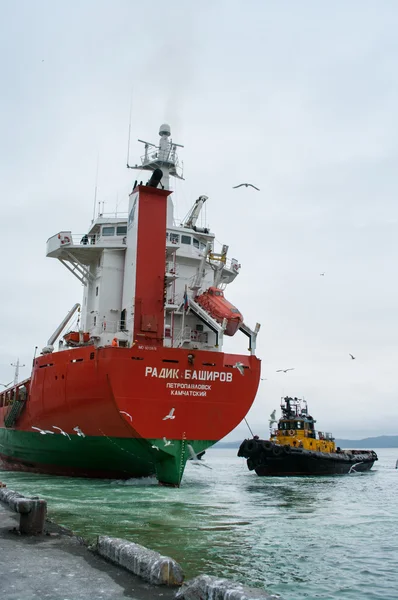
(187, 334)
(172, 268)
(95, 239)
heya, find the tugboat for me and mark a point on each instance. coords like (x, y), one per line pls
(295, 448)
(134, 380)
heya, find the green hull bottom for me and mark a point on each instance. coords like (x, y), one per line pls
(99, 456)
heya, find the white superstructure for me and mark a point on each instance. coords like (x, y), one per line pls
(103, 260)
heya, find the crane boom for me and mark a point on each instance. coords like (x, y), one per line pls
(194, 213)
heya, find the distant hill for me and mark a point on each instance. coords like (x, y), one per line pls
(382, 441)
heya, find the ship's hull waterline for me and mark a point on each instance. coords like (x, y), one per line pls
(108, 412)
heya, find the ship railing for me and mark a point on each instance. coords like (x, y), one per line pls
(172, 268)
(107, 326)
(95, 239)
(187, 334)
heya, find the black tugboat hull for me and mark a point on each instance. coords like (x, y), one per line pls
(268, 459)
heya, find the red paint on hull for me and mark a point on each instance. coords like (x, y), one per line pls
(88, 388)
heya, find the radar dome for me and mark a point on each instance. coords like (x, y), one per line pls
(164, 129)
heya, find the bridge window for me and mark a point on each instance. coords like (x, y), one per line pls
(174, 238)
(186, 239)
(108, 231)
(121, 230)
(195, 242)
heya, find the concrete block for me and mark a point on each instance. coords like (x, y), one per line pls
(33, 511)
(147, 564)
(206, 587)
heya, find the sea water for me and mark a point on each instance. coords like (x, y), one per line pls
(332, 537)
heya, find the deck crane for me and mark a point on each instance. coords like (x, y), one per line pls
(193, 215)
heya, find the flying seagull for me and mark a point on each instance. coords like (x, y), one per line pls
(322, 274)
(240, 367)
(6, 384)
(79, 431)
(352, 469)
(194, 458)
(353, 357)
(285, 370)
(60, 430)
(247, 185)
(42, 431)
(170, 415)
(123, 412)
(272, 419)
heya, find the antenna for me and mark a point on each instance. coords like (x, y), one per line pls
(95, 190)
(17, 367)
(128, 142)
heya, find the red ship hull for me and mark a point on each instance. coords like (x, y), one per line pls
(121, 401)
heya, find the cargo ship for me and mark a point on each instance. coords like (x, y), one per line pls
(133, 382)
(296, 448)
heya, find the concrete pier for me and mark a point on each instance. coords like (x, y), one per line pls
(57, 566)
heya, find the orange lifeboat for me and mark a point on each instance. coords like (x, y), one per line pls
(213, 301)
(73, 337)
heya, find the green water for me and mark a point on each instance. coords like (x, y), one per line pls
(315, 538)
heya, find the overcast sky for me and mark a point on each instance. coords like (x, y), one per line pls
(298, 97)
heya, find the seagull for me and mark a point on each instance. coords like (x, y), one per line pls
(79, 431)
(352, 469)
(63, 432)
(167, 442)
(42, 431)
(123, 412)
(6, 384)
(170, 415)
(263, 379)
(247, 185)
(353, 357)
(155, 447)
(194, 458)
(240, 367)
(272, 418)
(322, 274)
(285, 370)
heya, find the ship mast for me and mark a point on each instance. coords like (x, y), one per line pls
(164, 157)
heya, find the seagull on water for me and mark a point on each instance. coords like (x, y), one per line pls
(285, 370)
(247, 185)
(240, 366)
(170, 415)
(167, 442)
(123, 412)
(194, 458)
(42, 431)
(352, 357)
(61, 431)
(79, 431)
(352, 469)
